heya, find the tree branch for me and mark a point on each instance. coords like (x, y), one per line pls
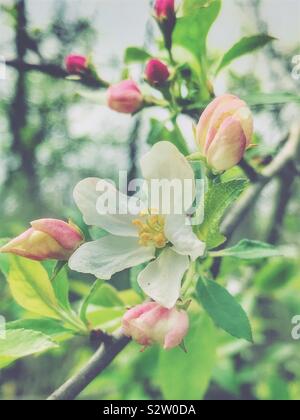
(250, 171)
(283, 197)
(53, 70)
(100, 360)
(285, 158)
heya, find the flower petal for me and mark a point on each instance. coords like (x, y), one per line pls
(164, 162)
(181, 235)
(228, 147)
(161, 279)
(181, 326)
(110, 255)
(118, 220)
(205, 119)
(222, 112)
(64, 233)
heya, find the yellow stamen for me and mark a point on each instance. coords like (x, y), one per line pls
(151, 231)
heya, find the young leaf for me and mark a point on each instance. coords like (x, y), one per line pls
(186, 376)
(136, 55)
(130, 297)
(21, 343)
(249, 250)
(217, 200)
(106, 296)
(192, 29)
(245, 46)
(49, 327)
(101, 295)
(31, 288)
(60, 285)
(105, 319)
(225, 311)
(96, 286)
(159, 131)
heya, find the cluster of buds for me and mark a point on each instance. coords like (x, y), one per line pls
(224, 132)
(150, 323)
(46, 239)
(126, 96)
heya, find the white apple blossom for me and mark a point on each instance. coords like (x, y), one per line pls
(135, 238)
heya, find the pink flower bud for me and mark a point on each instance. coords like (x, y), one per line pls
(125, 97)
(46, 239)
(156, 73)
(151, 323)
(225, 131)
(76, 64)
(164, 9)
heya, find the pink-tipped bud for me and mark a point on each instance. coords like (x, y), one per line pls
(46, 239)
(76, 64)
(150, 323)
(225, 131)
(156, 73)
(164, 9)
(125, 97)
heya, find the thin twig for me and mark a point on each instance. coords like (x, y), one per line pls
(100, 360)
(283, 197)
(53, 70)
(250, 171)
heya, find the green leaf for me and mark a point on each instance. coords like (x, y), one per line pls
(101, 295)
(258, 99)
(186, 376)
(130, 297)
(218, 198)
(4, 263)
(96, 286)
(31, 288)
(60, 285)
(275, 275)
(136, 55)
(249, 250)
(134, 273)
(277, 98)
(225, 311)
(21, 343)
(49, 327)
(245, 46)
(158, 131)
(106, 296)
(58, 266)
(192, 29)
(105, 319)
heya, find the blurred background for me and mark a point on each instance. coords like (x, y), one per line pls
(52, 134)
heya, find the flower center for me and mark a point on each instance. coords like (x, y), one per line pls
(151, 231)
